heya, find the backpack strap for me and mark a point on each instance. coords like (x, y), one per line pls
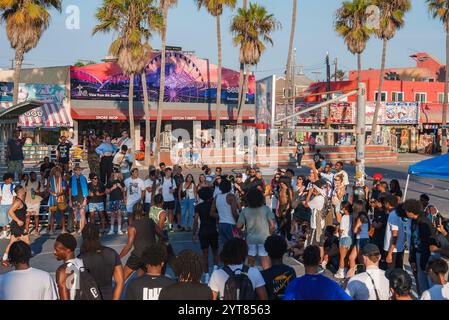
(245, 269)
(228, 271)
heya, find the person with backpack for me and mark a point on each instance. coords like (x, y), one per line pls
(72, 279)
(188, 268)
(7, 197)
(123, 162)
(236, 281)
(102, 263)
(34, 191)
(259, 223)
(299, 153)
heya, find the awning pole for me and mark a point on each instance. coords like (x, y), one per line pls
(406, 188)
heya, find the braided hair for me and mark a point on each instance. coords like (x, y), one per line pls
(188, 266)
(91, 239)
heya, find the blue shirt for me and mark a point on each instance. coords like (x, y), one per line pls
(106, 148)
(315, 287)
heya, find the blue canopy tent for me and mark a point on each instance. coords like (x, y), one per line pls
(436, 168)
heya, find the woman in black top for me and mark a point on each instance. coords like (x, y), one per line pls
(395, 189)
(102, 263)
(208, 233)
(17, 213)
(141, 233)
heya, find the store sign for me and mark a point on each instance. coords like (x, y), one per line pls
(45, 93)
(340, 113)
(265, 100)
(402, 113)
(106, 117)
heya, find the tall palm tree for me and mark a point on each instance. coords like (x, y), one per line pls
(350, 24)
(164, 6)
(26, 21)
(439, 9)
(251, 29)
(391, 20)
(133, 21)
(242, 66)
(289, 63)
(215, 8)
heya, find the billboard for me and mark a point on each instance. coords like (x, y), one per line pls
(265, 100)
(46, 93)
(400, 113)
(340, 113)
(188, 79)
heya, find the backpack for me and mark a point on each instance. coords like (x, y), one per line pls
(88, 288)
(238, 286)
(11, 186)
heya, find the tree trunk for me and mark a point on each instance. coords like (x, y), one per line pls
(359, 67)
(289, 63)
(16, 77)
(146, 108)
(131, 112)
(445, 102)
(242, 70)
(157, 138)
(219, 85)
(245, 90)
(379, 93)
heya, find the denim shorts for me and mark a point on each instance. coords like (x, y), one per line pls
(346, 242)
(4, 217)
(116, 205)
(96, 207)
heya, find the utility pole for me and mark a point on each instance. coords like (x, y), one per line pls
(361, 135)
(293, 77)
(329, 97)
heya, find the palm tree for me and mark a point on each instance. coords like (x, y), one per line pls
(26, 21)
(215, 8)
(439, 9)
(242, 66)
(391, 20)
(350, 24)
(133, 21)
(164, 6)
(340, 75)
(251, 29)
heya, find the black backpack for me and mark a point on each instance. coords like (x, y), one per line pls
(88, 288)
(238, 286)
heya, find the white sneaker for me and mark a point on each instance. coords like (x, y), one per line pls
(111, 232)
(340, 274)
(2, 235)
(120, 233)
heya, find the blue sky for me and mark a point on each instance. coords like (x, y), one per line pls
(195, 31)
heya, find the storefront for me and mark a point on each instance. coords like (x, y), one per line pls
(430, 132)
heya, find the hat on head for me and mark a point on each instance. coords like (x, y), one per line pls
(370, 250)
(377, 176)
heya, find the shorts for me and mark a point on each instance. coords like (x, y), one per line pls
(17, 231)
(15, 166)
(77, 207)
(116, 205)
(209, 240)
(346, 242)
(257, 250)
(135, 263)
(4, 217)
(96, 207)
(361, 243)
(170, 205)
(34, 209)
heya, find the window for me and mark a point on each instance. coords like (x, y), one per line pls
(397, 96)
(383, 96)
(441, 97)
(420, 97)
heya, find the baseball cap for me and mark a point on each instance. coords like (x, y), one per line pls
(371, 250)
(378, 176)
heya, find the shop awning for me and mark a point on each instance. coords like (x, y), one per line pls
(121, 113)
(49, 115)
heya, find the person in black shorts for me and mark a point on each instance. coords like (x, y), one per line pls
(141, 234)
(17, 213)
(63, 153)
(208, 234)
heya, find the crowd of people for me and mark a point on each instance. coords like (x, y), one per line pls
(248, 224)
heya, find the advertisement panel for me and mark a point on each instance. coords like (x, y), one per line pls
(402, 113)
(188, 79)
(46, 93)
(265, 100)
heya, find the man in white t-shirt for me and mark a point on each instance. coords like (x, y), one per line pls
(152, 183)
(316, 222)
(7, 196)
(125, 140)
(340, 171)
(123, 160)
(25, 283)
(168, 187)
(371, 284)
(234, 254)
(135, 192)
(437, 270)
(179, 148)
(394, 235)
